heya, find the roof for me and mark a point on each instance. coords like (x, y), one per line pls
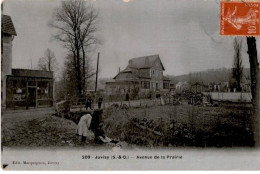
(214, 83)
(32, 73)
(182, 83)
(141, 63)
(134, 75)
(166, 78)
(7, 25)
(144, 62)
(198, 84)
(127, 69)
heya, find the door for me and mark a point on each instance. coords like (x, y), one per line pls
(32, 97)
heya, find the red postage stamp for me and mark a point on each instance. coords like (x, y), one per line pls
(239, 18)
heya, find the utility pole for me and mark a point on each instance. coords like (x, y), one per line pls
(97, 73)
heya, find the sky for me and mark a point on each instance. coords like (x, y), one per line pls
(185, 34)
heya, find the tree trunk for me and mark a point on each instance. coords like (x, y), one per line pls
(84, 70)
(79, 72)
(255, 84)
(238, 85)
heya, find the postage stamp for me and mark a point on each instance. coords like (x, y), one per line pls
(240, 18)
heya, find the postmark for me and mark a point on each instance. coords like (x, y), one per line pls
(239, 18)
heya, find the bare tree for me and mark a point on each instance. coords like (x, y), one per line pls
(48, 62)
(76, 24)
(237, 70)
(87, 39)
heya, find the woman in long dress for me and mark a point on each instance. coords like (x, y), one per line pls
(83, 127)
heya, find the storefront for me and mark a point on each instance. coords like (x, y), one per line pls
(29, 88)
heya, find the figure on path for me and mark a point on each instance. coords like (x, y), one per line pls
(84, 125)
(100, 100)
(127, 97)
(89, 103)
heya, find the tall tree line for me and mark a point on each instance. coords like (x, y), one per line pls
(237, 71)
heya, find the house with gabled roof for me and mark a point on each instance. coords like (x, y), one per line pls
(142, 73)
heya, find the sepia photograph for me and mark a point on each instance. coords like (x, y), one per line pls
(130, 85)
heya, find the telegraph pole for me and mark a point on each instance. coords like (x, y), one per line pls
(97, 73)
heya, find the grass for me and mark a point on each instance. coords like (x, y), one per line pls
(182, 125)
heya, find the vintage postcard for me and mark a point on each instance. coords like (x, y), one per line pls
(130, 85)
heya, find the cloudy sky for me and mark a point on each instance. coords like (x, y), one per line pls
(185, 33)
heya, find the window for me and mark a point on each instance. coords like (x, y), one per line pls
(165, 85)
(146, 85)
(152, 71)
(19, 90)
(43, 90)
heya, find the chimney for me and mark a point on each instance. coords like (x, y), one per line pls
(130, 62)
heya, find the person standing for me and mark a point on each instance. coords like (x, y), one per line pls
(89, 103)
(100, 100)
(127, 97)
(84, 125)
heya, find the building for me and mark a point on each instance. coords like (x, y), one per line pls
(198, 87)
(21, 87)
(143, 75)
(29, 88)
(182, 86)
(172, 86)
(218, 86)
(8, 33)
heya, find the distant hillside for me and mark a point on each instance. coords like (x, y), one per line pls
(211, 75)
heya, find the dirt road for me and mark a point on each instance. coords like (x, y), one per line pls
(37, 128)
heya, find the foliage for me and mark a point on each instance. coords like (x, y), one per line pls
(134, 92)
(180, 126)
(237, 71)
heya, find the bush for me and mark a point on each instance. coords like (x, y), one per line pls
(179, 126)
